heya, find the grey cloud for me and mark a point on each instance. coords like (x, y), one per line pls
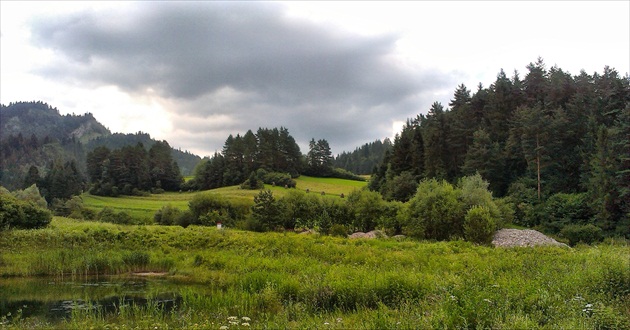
(282, 71)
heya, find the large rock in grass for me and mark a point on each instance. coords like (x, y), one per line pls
(371, 234)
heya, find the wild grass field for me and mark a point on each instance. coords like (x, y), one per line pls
(289, 280)
(144, 207)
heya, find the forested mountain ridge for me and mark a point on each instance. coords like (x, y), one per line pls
(40, 119)
(35, 134)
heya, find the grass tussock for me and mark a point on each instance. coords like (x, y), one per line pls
(288, 280)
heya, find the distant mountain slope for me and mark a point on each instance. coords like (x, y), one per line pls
(39, 118)
(34, 133)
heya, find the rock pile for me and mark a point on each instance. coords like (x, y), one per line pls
(526, 237)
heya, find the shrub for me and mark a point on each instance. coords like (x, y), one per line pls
(479, 225)
(366, 207)
(434, 212)
(300, 209)
(587, 234)
(31, 194)
(167, 215)
(202, 204)
(338, 230)
(109, 215)
(276, 178)
(21, 214)
(185, 218)
(475, 193)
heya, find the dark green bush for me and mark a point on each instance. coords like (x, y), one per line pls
(276, 178)
(109, 215)
(338, 230)
(435, 211)
(202, 204)
(587, 234)
(479, 225)
(167, 215)
(21, 214)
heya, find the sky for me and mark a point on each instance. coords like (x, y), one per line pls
(192, 73)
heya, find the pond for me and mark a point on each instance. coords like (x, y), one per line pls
(55, 299)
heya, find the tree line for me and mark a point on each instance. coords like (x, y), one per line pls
(363, 159)
(132, 170)
(269, 153)
(547, 138)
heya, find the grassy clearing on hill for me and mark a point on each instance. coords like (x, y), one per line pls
(288, 280)
(144, 207)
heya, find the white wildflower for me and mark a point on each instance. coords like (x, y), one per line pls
(246, 319)
(339, 320)
(223, 327)
(232, 318)
(245, 324)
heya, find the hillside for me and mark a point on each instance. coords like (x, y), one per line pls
(35, 133)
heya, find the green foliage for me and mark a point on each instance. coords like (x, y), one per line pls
(252, 183)
(109, 215)
(366, 207)
(338, 230)
(31, 194)
(435, 211)
(267, 211)
(273, 150)
(167, 215)
(319, 159)
(586, 234)
(363, 159)
(400, 188)
(479, 225)
(209, 208)
(19, 214)
(276, 178)
(132, 170)
(475, 192)
(561, 210)
(301, 209)
(345, 174)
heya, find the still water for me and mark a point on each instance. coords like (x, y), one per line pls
(55, 299)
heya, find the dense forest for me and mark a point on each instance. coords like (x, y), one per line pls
(132, 170)
(363, 159)
(553, 142)
(272, 150)
(35, 134)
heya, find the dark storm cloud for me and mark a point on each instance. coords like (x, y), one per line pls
(247, 61)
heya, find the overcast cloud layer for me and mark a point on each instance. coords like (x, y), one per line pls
(229, 67)
(193, 73)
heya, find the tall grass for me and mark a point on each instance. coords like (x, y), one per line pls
(287, 280)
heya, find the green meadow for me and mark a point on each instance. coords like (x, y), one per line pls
(289, 280)
(144, 207)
